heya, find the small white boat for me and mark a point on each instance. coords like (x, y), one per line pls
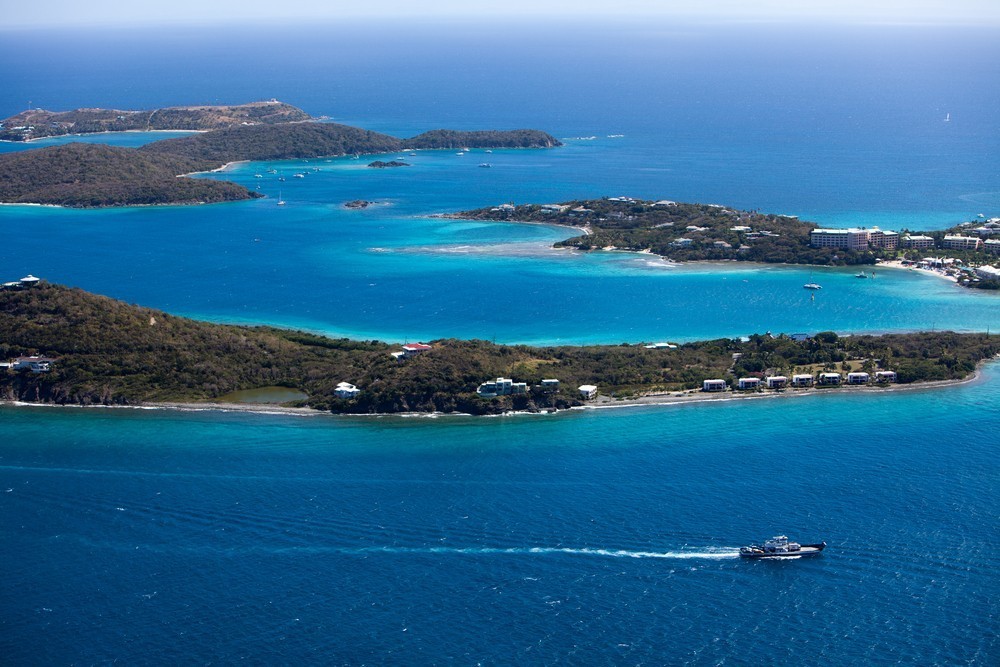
(813, 286)
(485, 165)
(947, 117)
(281, 202)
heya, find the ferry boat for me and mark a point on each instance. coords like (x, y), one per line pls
(780, 547)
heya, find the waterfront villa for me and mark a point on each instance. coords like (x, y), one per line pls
(749, 383)
(829, 379)
(802, 380)
(885, 376)
(587, 391)
(33, 364)
(501, 387)
(858, 378)
(776, 381)
(346, 390)
(714, 385)
(550, 385)
(413, 349)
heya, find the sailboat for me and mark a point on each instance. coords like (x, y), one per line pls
(281, 202)
(947, 117)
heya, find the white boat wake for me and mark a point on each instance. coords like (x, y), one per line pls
(712, 554)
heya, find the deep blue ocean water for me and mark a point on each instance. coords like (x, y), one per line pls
(599, 537)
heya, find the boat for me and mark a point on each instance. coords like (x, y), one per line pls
(947, 117)
(813, 286)
(780, 547)
(861, 275)
(485, 165)
(281, 202)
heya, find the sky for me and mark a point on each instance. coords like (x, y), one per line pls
(73, 13)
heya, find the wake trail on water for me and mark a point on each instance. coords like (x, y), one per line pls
(713, 554)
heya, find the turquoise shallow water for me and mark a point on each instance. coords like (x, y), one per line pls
(601, 537)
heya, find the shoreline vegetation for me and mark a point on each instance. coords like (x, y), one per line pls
(683, 232)
(104, 352)
(93, 175)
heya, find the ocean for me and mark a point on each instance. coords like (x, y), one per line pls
(594, 537)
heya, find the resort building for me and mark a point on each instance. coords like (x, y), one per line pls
(885, 376)
(776, 381)
(33, 364)
(550, 385)
(988, 273)
(888, 240)
(587, 391)
(714, 385)
(346, 390)
(962, 243)
(749, 383)
(852, 239)
(858, 378)
(829, 379)
(681, 243)
(802, 380)
(917, 242)
(992, 246)
(501, 387)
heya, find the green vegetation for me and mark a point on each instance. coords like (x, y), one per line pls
(38, 123)
(108, 352)
(379, 164)
(86, 175)
(275, 142)
(482, 139)
(712, 232)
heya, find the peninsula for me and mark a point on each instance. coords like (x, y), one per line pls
(698, 232)
(62, 345)
(94, 175)
(39, 123)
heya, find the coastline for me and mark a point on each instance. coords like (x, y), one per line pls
(898, 265)
(603, 402)
(88, 134)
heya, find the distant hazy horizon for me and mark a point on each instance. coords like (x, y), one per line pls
(67, 14)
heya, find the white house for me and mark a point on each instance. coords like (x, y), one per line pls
(749, 383)
(714, 385)
(587, 391)
(885, 376)
(858, 378)
(776, 381)
(501, 387)
(346, 390)
(33, 364)
(413, 349)
(550, 384)
(802, 380)
(829, 379)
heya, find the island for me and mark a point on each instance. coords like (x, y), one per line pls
(94, 175)
(712, 232)
(62, 345)
(379, 164)
(39, 123)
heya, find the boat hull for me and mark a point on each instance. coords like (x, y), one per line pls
(761, 554)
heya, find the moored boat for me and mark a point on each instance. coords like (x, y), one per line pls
(813, 286)
(780, 547)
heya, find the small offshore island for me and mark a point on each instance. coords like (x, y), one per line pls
(94, 175)
(64, 346)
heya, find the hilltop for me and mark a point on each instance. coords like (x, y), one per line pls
(108, 352)
(38, 123)
(90, 175)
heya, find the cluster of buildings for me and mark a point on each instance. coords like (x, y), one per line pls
(800, 381)
(875, 238)
(507, 387)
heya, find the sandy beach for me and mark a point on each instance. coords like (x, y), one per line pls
(898, 264)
